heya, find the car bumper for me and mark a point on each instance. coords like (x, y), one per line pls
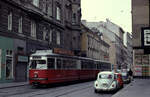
(105, 89)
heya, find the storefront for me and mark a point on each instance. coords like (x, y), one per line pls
(141, 64)
(21, 68)
(6, 60)
(21, 60)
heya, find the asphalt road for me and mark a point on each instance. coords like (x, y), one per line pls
(70, 90)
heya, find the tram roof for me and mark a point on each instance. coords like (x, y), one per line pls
(43, 53)
(49, 53)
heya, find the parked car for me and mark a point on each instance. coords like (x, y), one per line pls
(125, 77)
(107, 81)
(119, 80)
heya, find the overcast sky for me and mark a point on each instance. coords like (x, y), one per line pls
(117, 11)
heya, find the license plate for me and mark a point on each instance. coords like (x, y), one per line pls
(105, 85)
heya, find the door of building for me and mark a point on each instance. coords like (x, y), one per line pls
(21, 71)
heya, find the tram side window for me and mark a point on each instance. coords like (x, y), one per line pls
(99, 65)
(69, 64)
(74, 65)
(59, 63)
(64, 63)
(96, 65)
(84, 64)
(88, 65)
(51, 63)
(104, 66)
(91, 65)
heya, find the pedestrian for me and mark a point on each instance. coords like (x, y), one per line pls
(130, 73)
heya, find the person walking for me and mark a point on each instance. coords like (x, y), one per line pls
(130, 73)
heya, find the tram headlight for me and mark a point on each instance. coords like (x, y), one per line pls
(35, 75)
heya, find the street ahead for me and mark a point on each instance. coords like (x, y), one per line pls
(75, 90)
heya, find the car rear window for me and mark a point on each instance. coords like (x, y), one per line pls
(105, 76)
(124, 74)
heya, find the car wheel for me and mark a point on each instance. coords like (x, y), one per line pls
(95, 91)
(122, 86)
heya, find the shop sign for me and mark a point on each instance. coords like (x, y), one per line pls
(138, 51)
(63, 51)
(22, 59)
(137, 71)
(138, 60)
(145, 59)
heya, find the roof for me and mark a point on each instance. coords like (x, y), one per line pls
(106, 72)
(43, 53)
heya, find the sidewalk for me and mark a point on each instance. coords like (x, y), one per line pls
(137, 88)
(13, 84)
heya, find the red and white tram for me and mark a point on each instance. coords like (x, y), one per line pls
(47, 67)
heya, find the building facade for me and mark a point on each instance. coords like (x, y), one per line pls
(30, 25)
(113, 35)
(129, 50)
(92, 46)
(140, 34)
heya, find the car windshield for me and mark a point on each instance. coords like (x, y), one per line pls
(105, 76)
(38, 64)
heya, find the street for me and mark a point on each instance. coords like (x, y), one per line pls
(74, 90)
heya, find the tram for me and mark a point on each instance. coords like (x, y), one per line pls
(47, 67)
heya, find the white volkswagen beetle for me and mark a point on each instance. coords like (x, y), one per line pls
(106, 82)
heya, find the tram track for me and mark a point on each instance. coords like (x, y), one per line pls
(69, 92)
(52, 91)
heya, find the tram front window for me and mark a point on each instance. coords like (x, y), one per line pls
(38, 64)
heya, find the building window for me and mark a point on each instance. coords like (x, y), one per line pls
(44, 34)
(20, 25)
(9, 64)
(20, 50)
(33, 29)
(58, 38)
(58, 13)
(10, 21)
(49, 10)
(36, 3)
(74, 18)
(44, 6)
(50, 36)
